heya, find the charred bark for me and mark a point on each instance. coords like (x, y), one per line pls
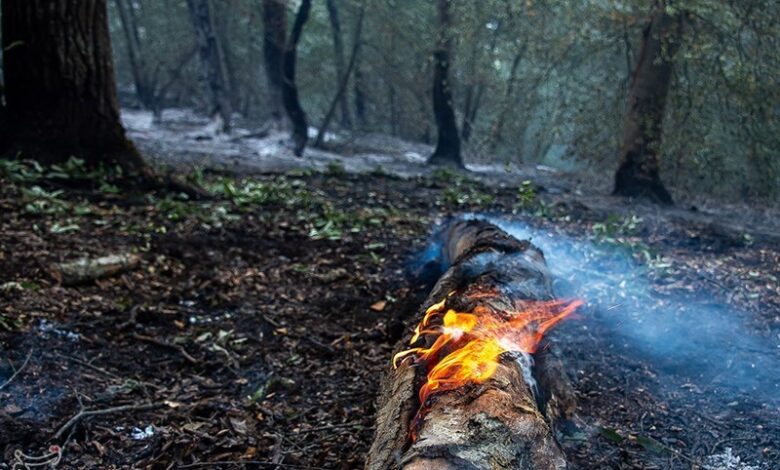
(498, 424)
(292, 104)
(60, 92)
(274, 39)
(447, 150)
(212, 59)
(338, 52)
(638, 173)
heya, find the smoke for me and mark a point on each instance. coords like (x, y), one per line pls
(693, 338)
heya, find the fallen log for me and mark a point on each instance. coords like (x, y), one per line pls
(436, 413)
(89, 269)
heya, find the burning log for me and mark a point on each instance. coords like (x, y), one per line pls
(470, 393)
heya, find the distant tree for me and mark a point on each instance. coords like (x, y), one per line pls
(360, 95)
(144, 88)
(448, 142)
(60, 95)
(274, 39)
(212, 59)
(340, 97)
(292, 104)
(338, 53)
(638, 174)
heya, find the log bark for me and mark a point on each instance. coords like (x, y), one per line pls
(89, 269)
(501, 423)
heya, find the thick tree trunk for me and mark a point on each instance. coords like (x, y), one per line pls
(289, 88)
(504, 422)
(638, 174)
(212, 59)
(60, 90)
(143, 86)
(338, 51)
(274, 39)
(448, 143)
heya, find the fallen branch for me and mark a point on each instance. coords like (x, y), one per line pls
(83, 413)
(167, 345)
(17, 371)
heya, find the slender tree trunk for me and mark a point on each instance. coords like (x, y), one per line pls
(498, 124)
(344, 81)
(338, 51)
(638, 174)
(289, 88)
(360, 96)
(274, 38)
(143, 86)
(61, 96)
(475, 91)
(212, 60)
(448, 143)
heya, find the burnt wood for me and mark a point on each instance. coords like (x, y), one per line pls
(500, 424)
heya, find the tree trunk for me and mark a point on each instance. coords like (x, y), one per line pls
(60, 90)
(338, 51)
(289, 88)
(638, 174)
(344, 80)
(498, 124)
(143, 86)
(274, 38)
(360, 96)
(448, 143)
(212, 60)
(504, 422)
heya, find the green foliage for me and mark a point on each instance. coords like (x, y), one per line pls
(526, 196)
(615, 226)
(622, 232)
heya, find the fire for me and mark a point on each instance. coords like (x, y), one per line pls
(468, 344)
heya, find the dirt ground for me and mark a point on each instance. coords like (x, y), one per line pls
(255, 328)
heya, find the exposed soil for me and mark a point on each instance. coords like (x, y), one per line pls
(258, 328)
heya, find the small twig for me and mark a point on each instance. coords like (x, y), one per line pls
(313, 342)
(90, 366)
(248, 462)
(167, 345)
(328, 428)
(17, 371)
(83, 413)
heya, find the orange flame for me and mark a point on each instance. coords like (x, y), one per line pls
(476, 339)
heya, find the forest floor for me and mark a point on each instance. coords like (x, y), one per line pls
(257, 324)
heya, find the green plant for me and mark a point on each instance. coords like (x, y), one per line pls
(39, 201)
(615, 226)
(526, 195)
(336, 168)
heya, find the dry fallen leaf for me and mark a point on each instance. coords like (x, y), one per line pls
(379, 306)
